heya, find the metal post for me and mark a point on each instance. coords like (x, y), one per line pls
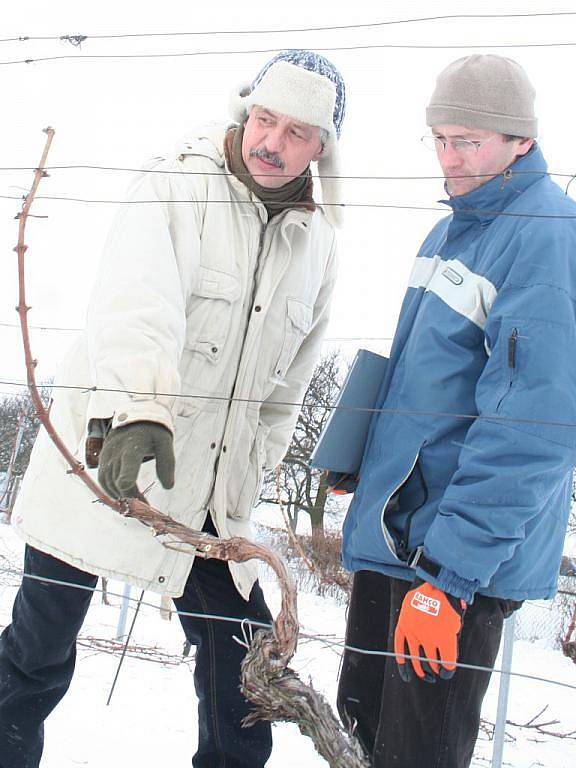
(504, 690)
(121, 629)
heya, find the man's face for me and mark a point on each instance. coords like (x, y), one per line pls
(489, 157)
(276, 148)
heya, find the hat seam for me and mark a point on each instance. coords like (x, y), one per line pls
(476, 111)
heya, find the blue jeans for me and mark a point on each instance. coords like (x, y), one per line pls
(38, 654)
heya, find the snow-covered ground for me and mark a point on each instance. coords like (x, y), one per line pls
(570, 546)
(151, 720)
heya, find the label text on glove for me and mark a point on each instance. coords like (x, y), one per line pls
(429, 605)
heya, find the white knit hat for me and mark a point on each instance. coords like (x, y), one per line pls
(307, 87)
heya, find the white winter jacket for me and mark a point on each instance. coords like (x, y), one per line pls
(197, 296)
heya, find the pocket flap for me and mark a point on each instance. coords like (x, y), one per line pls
(300, 315)
(214, 284)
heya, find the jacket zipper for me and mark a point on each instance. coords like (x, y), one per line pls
(256, 270)
(251, 303)
(512, 342)
(246, 327)
(385, 532)
(512, 349)
(272, 291)
(403, 550)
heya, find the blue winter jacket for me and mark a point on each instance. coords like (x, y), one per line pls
(473, 453)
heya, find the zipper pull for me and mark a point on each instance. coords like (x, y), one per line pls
(512, 348)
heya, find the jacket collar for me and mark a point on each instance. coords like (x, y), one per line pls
(486, 202)
(205, 141)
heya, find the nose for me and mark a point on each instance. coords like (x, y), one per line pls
(450, 160)
(449, 156)
(274, 141)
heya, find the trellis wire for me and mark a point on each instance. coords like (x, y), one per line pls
(306, 635)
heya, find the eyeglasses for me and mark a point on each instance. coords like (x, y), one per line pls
(463, 146)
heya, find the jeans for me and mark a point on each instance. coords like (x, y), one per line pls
(38, 653)
(416, 724)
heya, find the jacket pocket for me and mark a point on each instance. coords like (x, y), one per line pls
(297, 324)
(510, 355)
(398, 548)
(252, 485)
(194, 463)
(210, 311)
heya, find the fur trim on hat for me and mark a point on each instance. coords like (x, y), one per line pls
(329, 165)
(294, 91)
(237, 105)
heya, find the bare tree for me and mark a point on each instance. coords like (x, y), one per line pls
(302, 488)
(18, 429)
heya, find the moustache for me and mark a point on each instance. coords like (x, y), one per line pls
(270, 157)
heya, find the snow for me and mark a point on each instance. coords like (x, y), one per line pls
(151, 720)
(570, 546)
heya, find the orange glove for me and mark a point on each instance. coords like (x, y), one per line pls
(429, 625)
(341, 483)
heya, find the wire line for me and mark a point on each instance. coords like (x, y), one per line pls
(323, 49)
(352, 409)
(382, 206)
(328, 339)
(334, 27)
(40, 327)
(253, 175)
(305, 635)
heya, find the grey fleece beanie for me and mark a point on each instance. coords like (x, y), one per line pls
(484, 91)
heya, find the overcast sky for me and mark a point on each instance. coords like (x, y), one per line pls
(119, 112)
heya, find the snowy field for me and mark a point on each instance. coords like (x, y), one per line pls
(151, 720)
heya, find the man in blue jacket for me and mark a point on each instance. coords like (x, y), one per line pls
(464, 490)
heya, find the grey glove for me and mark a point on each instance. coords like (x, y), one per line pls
(126, 448)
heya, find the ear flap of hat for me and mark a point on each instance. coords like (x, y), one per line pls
(329, 166)
(237, 106)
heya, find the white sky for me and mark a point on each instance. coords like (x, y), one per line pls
(120, 112)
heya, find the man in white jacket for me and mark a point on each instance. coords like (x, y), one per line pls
(205, 323)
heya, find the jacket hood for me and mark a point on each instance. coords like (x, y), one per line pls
(205, 141)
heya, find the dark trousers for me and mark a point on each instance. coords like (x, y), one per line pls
(416, 724)
(38, 653)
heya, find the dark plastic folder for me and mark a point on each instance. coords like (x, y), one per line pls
(340, 446)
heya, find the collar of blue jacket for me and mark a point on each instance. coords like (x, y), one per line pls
(485, 202)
